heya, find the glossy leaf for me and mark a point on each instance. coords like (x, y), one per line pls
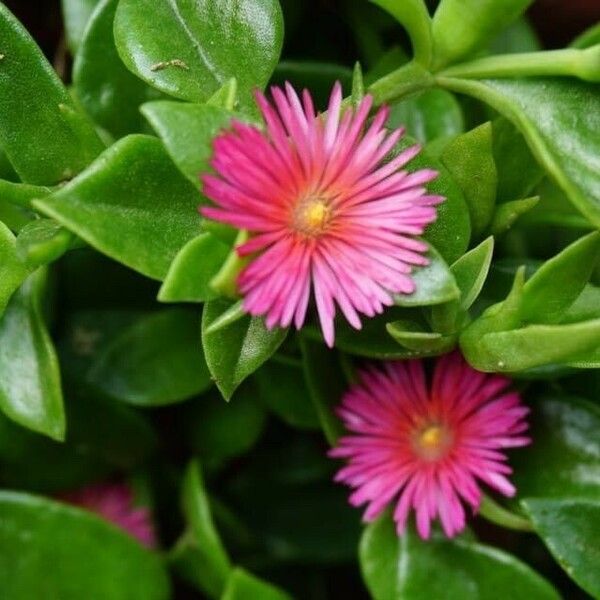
(187, 131)
(507, 213)
(244, 586)
(107, 90)
(156, 361)
(15, 203)
(30, 389)
(193, 269)
(13, 270)
(570, 529)
(470, 271)
(43, 241)
(421, 342)
(434, 283)
(469, 160)
(461, 27)
(132, 204)
(52, 140)
(430, 116)
(76, 14)
(562, 462)
(543, 109)
(199, 46)
(400, 568)
(234, 352)
(36, 532)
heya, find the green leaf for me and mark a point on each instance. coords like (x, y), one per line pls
(193, 269)
(562, 461)
(36, 532)
(470, 271)
(234, 352)
(413, 337)
(401, 568)
(211, 562)
(543, 109)
(199, 46)
(156, 361)
(15, 203)
(559, 281)
(520, 36)
(283, 389)
(326, 384)
(470, 161)
(451, 231)
(434, 284)
(30, 390)
(414, 17)
(570, 529)
(52, 140)
(460, 27)
(132, 204)
(244, 586)
(13, 270)
(218, 431)
(105, 88)
(43, 241)
(76, 14)
(187, 131)
(432, 115)
(508, 212)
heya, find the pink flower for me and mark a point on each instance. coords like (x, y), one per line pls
(328, 216)
(427, 446)
(114, 502)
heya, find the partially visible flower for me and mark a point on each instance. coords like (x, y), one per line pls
(427, 446)
(115, 503)
(328, 217)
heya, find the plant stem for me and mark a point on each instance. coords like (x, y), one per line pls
(408, 79)
(492, 511)
(584, 64)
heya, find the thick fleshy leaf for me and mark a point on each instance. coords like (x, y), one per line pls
(187, 130)
(15, 203)
(132, 204)
(570, 529)
(508, 212)
(13, 270)
(43, 241)
(200, 45)
(283, 389)
(156, 361)
(543, 109)
(461, 27)
(434, 283)
(234, 352)
(52, 140)
(420, 341)
(241, 585)
(193, 269)
(563, 460)
(326, 384)
(76, 14)
(520, 36)
(470, 161)
(430, 116)
(30, 389)
(206, 558)
(470, 271)
(108, 91)
(36, 532)
(401, 568)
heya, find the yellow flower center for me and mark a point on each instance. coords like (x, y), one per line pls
(311, 216)
(432, 442)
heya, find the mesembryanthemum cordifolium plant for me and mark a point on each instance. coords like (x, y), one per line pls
(320, 322)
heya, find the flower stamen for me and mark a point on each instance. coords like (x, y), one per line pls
(312, 216)
(432, 442)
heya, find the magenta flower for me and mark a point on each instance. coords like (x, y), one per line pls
(427, 446)
(114, 502)
(328, 216)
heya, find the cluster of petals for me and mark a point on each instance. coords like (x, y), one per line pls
(114, 502)
(427, 446)
(331, 213)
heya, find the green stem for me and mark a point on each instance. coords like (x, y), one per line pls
(584, 64)
(224, 282)
(408, 79)
(492, 511)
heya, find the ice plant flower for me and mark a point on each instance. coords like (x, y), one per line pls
(327, 215)
(427, 446)
(114, 502)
